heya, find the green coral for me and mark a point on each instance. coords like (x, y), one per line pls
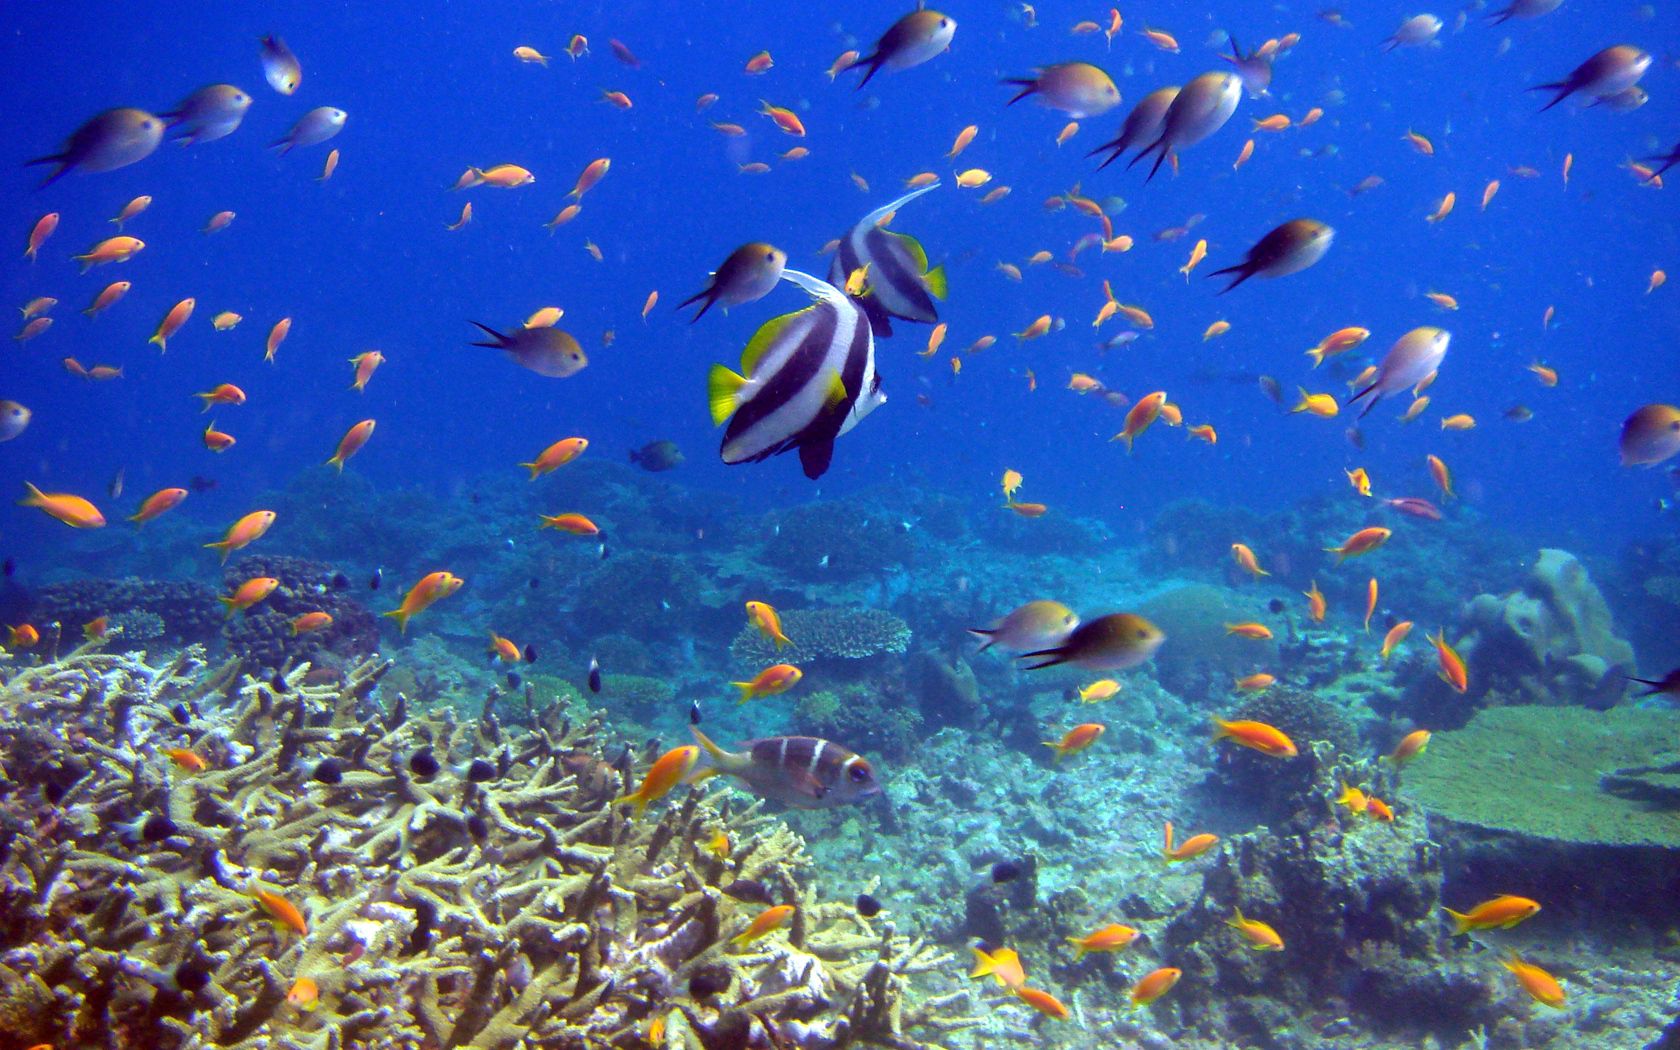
(825, 634)
(863, 718)
(1537, 771)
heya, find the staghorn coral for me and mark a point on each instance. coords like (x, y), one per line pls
(825, 634)
(516, 907)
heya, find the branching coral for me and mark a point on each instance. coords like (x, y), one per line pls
(456, 884)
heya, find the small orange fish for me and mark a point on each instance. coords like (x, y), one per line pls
(1460, 421)
(72, 510)
(222, 394)
(1323, 406)
(1487, 193)
(461, 222)
(249, 593)
(108, 297)
(110, 250)
(305, 994)
(1260, 936)
(1162, 40)
(1394, 637)
(1076, 739)
(1027, 510)
(775, 679)
(841, 63)
(617, 98)
(1189, 849)
(1110, 938)
(1254, 631)
(38, 234)
(1452, 671)
(1216, 329)
(351, 443)
(1370, 602)
(556, 456)
(22, 637)
(973, 177)
(576, 524)
(96, 628)
(1316, 605)
(766, 922)
(1443, 209)
(786, 119)
(1500, 913)
(759, 63)
(1540, 985)
(172, 322)
(1411, 746)
(218, 222)
(283, 912)
(365, 364)
(1257, 736)
(1360, 480)
(432, 588)
(1364, 541)
(1442, 300)
(276, 336)
(1275, 122)
(1419, 143)
(718, 844)
(1311, 117)
(329, 167)
(1140, 417)
(667, 771)
(1037, 328)
(1153, 985)
(1002, 965)
(1441, 475)
(218, 440)
(1256, 683)
(504, 649)
(1242, 157)
(1197, 254)
(796, 153)
(1205, 432)
(1043, 1002)
(1547, 376)
(1377, 809)
(244, 532)
(1247, 561)
(310, 622)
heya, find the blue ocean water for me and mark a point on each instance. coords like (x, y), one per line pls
(364, 261)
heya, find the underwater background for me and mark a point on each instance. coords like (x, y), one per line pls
(1553, 571)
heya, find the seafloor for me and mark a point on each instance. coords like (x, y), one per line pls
(511, 903)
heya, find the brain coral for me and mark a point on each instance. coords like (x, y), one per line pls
(825, 634)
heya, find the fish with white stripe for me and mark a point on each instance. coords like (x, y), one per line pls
(804, 771)
(899, 282)
(806, 378)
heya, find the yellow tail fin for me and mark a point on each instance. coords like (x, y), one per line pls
(723, 390)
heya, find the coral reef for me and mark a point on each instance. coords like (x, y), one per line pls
(839, 540)
(651, 597)
(143, 613)
(1200, 657)
(856, 714)
(1268, 790)
(824, 635)
(442, 882)
(1552, 642)
(262, 635)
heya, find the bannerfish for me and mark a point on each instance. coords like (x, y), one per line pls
(803, 771)
(900, 284)
(809, 377)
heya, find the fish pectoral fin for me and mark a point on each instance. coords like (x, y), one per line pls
(806, 783)
(723, 392)
(935, 283)
(917, 253)
(836, 395)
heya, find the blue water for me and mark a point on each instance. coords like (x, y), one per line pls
(364, 261)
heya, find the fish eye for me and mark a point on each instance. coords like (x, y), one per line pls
(859, 773)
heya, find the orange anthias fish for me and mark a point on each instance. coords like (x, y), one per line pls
(1260, 936)
(1362, 542)
(556, 456)
(576, 524)
(504, 649)
(1139, 418)
(365, 363)
(1256, 683)
(1360, 480)
(276, 336)
(1110, 938)
(23, 636)
(1453, 671)
(186, 759)
(242, 533)
(1258, 736)
(765, 923)
(1001, 965)
(1542, 986)
(1394, 637)
(282, 911)
(431, 588)
(1441, 475)
(1189, 849)
(1153, 985)
(218, 440)
(1377, 809)
(1316, 605)
(1500, 913)
(351, 443)
(1255, 631)
(667, 771)
(309, 622)
(1411, 746)
(1247, 561)
(777, 678)
(72, 510)
(768, 622)
(1076, 739)
(1043, 1002)
(1370, 602)
(1354, 799)
(249, 593)
(305, 994)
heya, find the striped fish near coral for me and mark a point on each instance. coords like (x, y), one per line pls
(809, 378)
(803, 771)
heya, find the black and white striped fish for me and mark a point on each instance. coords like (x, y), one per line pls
(806, 378)
(899, 281)
(804, 771)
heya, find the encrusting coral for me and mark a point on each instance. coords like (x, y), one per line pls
(432, 882)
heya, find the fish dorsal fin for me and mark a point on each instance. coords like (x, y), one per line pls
(874, 218)
(766, 336)
(917, 252)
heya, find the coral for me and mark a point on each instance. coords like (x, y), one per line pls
(824, 634)
(649, 597)
(1549, 764)
(1192, 533)
(518, 907)
(1551, 642)
(857, 715)
(142, 612)
(1269, 790)
(262, 635)
(835, 540)
(1200, 657)
(1357, 905)
(639, 696)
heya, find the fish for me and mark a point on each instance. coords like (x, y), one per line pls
(1453, 671)
(130, 210)
(329, 166)
(1260, 936)
(775, 679)
(803, 771)
(1002, 965)
(71, 509)
(656, 456)
(901, 283)
(186, 759)
(1650, 435)
(1189, 849)
(1415, 31)
(113, 139)
(14, 420)
(1416, 507)
(38, 234)
(810, 378)
(1606, 73)
(351, 443)
(1286, 249)
(1098, 691)
(556, 456)
(1370, 603)
(1255, 683)
(218, 222)
(1109, 643)
(1499, 913)
(1364, 541)
(217, 440)
(1039, 624)
(765, 923)
(785, 119)
(221, 394)
(282, 912)
(548, 352)
(1079, 89)
(595, 677)
(310, 622)
(1153, 985)
(1246, 560)
(312, 129)
(1669, 684)
(1140, 416)
(249, 593)
(576, 524)
(304, 995)
(748, 274)
(1196, 112)
(1043, 1002)
(208, 114)
(281, 68)
(112, 249)
(22, 637)
(108, 297)
(1257, 736)
(1540, 985)
(1076, 739)
(1377, 809)
(768, 623)
(430, 589)
(918, 37)
(667, 771)
(1352, 798)
(276, 335)
(1360, 480)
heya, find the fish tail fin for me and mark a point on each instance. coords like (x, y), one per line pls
(1052, 657)
(936, 283)
(56, 158)
(336, 461)
(1027, 87)
(1078, 948)
(163, 347)
(534, 469)
(227, 604)
(704, 293)
(872, 61)
(36, 497)
(1461, 921)
(1317, 354)
(401, 616)
(1167, 841)
(987, 632)
(746, 689)
(1220, 732)
(1242, 272)
(1560, 86)
(723, 392)
(501, 341)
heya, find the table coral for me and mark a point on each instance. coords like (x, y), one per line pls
(489, 896)
(824, 634)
